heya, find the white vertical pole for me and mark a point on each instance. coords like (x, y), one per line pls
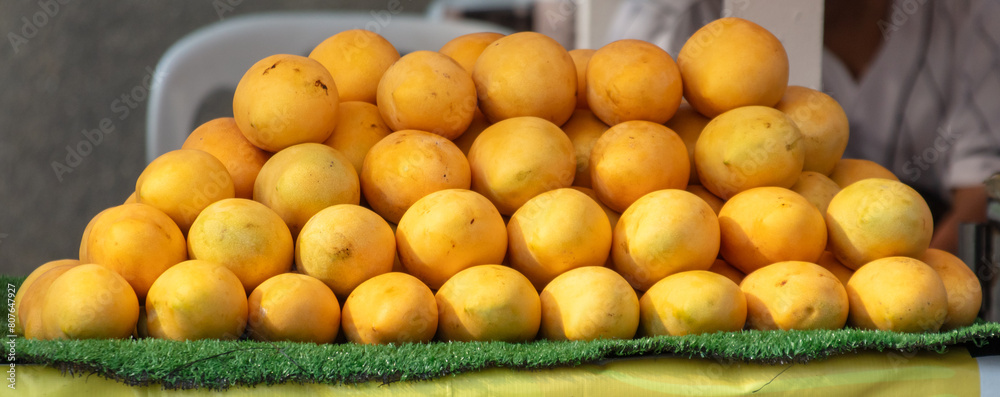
(593, 18)
(583, 24)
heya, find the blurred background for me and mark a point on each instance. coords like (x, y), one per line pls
(68, 66)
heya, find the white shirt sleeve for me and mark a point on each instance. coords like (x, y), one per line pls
(974, 114)
(952, 112)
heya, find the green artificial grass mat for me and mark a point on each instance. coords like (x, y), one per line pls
(214, 364)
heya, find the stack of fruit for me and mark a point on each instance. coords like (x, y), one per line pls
(504, 188)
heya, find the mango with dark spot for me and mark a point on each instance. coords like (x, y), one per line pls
(284, 100)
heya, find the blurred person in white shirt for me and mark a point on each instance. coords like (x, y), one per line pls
(918, 79)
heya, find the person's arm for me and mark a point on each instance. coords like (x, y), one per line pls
(973, 125)
(968, 206)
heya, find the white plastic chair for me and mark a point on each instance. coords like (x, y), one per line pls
(216, 57)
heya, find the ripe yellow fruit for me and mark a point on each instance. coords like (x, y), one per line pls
(583, 129)
(89, 302)
(137, 241)
(817, 188)
(920, 304)
(691, 303)
(749, 147)
(390, 308)
(285, 100)
(448, 231)
(293, 307)
(823, 125)
(555, 232)
(794, 295)
(720, 267)
(589, 303)
(408, 165)
(613, 215)
(664, 232)
(359, 127)
(29, 312)
(965, 294)
(518, 158)
(195, 300)
(244, 236)
(732, 62)
(344, 245)
(526, 74)
(222, 138)
(688, 124)
(581, 58)
(465, 49)
(765, 225)
(848, 171)
(300, 181)
(713, 201)
(488, 303)
(356, 60)
(26, 284)
(634, 158)
(830, 262)
(183, 182)
(877, 218)
(633, 80)
(428, 91)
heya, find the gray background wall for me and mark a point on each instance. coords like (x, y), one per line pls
(65, 78)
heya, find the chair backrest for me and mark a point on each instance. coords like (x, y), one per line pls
(216, 57)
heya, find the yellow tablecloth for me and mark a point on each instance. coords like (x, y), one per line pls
(923, 374)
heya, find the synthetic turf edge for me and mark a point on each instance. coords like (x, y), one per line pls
(220, 364)
(214, 364)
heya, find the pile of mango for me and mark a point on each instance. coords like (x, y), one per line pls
(504, 188)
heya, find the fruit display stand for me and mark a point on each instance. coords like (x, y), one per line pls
(839, 362)
(78, 334)
(861, 363)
